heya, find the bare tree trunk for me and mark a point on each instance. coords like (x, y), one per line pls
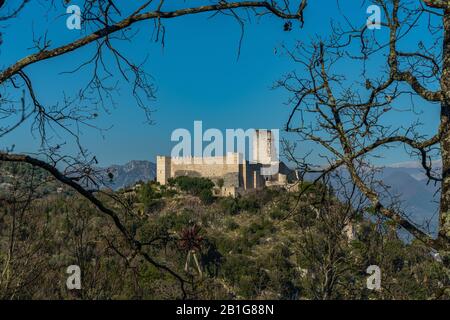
(444, 229)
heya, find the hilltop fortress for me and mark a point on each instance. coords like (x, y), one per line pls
(231, 173)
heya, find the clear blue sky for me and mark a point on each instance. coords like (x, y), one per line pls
(197, 75)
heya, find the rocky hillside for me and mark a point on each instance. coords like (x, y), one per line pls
(128, 174)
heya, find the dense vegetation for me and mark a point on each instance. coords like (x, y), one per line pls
(200, 187)
(264, 245)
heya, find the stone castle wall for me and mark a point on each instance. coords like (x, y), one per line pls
(228, 172)
(215, 168)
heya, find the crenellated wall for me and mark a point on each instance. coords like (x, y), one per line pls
(227, 168)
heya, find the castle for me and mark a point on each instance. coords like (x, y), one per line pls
(232, 174)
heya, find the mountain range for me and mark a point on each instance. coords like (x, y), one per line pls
(123, 176)
(419, 197)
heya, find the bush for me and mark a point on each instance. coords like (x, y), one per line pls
(231, 224)
(249, 203)
(173, 221)
(245, 274)
(206, 196)
(253, 233)
(277, 214)
(166, 192)
(229, 206)
(149, 197)
(199, 187)
(193, 185)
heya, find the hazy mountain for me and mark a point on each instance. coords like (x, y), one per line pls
(417, 172)
(419, 198)
(129, 173)
(409, 184)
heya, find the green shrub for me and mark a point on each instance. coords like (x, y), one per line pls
(174, 221)
(277, 214)
(253, 233)
(166, 191)
(199, 187)
(249, 203)
(206, 196)
(149, 197)
(229, 205)
(231, 224)
(193, 185)
(245, 274)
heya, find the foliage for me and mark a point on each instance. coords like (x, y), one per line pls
(244, 254)
(200, 187)
(229, 205)
(149, 196)
(193, 185)
(206, 196)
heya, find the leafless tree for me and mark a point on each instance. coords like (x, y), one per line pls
(21, 259)
(347, 115)
(105, 24)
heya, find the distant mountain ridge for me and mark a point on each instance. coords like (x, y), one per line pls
(128, 174)
(419, 197)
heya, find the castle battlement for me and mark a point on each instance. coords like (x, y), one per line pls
(230, 158)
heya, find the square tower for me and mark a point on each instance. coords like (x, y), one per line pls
(263, 147)
(163, 169)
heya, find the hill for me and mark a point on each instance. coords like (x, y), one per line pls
(268, 244)
(130, 173)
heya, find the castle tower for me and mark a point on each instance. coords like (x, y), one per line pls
(163, 169)
(263, 148)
